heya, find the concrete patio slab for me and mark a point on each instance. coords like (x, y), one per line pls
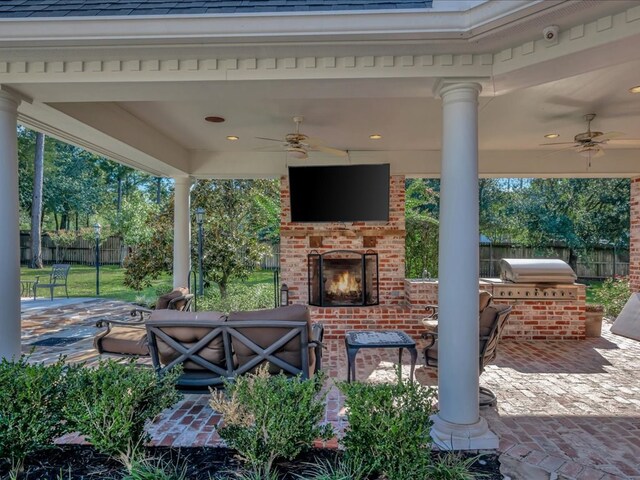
(566, 409)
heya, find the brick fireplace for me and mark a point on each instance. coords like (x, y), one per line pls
(400, 301)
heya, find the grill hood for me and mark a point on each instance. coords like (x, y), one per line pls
(536, 270)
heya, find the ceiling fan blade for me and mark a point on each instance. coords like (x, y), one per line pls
(267, 149)
(332, 151)
(560, 150)
(560, 143)
(607, 136)
(270, 139)
(625, 141)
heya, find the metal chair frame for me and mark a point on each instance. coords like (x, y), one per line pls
(59, 271)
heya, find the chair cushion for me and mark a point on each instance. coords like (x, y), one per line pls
(188, 336)
(163, 300)
(125, 341)
(290, 352)
(485, 299)
(488, 318)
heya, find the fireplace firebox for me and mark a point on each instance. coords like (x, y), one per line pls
(343, 278)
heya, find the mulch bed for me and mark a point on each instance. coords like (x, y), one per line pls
(80, 462)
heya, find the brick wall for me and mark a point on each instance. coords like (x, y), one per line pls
(634, 241)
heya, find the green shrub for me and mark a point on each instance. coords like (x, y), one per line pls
(270, 417)
(613, 295)
(155, 469)
(342, 469)
(32, 397)
(113, 402)
(239, 297)
(451, 466)
(389, 428)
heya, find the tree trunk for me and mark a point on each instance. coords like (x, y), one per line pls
(158, 190)
(222, 286)
(119, 199)
(55, 218)
(573, 260)
(36, 203)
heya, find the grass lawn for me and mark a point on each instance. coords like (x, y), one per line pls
(82, 282)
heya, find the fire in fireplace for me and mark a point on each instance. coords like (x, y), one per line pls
(343, 278)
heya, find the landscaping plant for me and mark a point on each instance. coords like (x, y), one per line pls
(32, 397)
(389, 428)
(269, 417)
(113, 402)
(613, 295)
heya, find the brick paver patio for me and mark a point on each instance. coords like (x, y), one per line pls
(570, 408)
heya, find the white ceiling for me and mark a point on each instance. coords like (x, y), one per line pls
(343, 113)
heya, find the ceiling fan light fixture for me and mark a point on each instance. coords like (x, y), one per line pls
(635, 89)
(552, 135)
(588, 152)
(297, 152)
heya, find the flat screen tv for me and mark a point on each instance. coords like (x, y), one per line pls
(351, 193)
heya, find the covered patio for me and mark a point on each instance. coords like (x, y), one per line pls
(569, 408)
(456, 90)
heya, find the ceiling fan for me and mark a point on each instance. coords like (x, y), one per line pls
(299, 145)
(588, 144)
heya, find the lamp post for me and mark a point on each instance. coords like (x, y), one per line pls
(96, 228)
(199, 221)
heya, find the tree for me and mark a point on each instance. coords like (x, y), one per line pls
(36, 203)
(578, 212)
(234, 217)
(422, 227)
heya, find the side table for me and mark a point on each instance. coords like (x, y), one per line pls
(356, 339)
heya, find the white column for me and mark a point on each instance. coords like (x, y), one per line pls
(181, 232)
(458, 424)
(10, 231)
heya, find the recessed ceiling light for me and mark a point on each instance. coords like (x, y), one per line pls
(375, 136)
(552, 135)
(233, 138)
(213, 119)
(635, 89)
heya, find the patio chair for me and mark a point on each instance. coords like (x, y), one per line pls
(492, 320)
(57, 278)
(129, 337)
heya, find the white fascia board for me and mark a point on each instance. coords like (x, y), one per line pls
(418, 24)
(425, 163)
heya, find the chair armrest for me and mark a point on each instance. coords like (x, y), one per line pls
(36, 281)
(107, 322)
(141, 312)
(432, 312)
(431, 338)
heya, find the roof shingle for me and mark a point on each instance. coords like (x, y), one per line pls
(64, 8)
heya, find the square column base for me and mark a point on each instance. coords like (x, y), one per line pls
(454, 436)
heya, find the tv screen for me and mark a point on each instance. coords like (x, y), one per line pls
(352, 193)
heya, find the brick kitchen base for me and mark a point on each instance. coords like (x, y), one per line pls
(529, 320)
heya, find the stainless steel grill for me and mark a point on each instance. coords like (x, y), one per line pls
(539, 279)
(535, 270)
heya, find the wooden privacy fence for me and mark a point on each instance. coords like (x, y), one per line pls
(81, 252)
(593, 264)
